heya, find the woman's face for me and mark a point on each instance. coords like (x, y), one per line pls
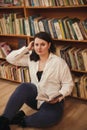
(41, 47)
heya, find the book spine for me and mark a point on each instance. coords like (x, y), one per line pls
(77, 31)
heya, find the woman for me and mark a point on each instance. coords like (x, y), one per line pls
(51, 81)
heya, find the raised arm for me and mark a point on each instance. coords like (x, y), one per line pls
(20, 57)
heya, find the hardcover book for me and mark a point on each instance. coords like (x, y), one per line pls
(6, 49)
(47, 97)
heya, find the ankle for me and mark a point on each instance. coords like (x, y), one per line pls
(4, 123)
(22, 123)
(18, 117)
(4, 120)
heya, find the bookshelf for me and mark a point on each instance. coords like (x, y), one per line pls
(48, 11)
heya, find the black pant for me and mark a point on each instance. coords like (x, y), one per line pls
(46, 115)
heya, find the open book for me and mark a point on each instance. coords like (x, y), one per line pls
(46, 97)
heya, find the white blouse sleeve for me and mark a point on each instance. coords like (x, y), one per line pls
(19, 57)
(67, 83)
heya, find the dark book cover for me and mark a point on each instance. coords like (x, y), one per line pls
(21, 42)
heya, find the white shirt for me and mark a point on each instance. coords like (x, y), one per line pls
(56, 77)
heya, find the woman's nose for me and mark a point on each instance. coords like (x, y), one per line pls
(39, 46)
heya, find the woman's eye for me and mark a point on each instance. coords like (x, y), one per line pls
(43, 44)
(36, 44)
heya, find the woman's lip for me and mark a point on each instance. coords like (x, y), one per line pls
(39, 51)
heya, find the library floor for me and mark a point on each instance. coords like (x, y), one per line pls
(75, 111)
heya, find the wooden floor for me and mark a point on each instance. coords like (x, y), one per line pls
(75, 111)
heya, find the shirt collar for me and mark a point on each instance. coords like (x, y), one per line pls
(51, 55)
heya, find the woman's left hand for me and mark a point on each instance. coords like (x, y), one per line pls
(56, 99)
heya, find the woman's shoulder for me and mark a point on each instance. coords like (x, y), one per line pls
(58, 60)
(56, 57)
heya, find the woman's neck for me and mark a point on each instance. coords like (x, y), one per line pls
(44, 58)
(42, 62)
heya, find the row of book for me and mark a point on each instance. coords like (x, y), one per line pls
(11, 3)
(14, 24)
(59, 28)
(55, 2)
(76, 58)
(80, 88)
(14, 73)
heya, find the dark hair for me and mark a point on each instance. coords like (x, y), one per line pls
(45, 36)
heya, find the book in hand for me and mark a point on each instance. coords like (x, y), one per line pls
(46, 97)
(1, 54)
(6, 49)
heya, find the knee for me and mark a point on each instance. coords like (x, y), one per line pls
(50, 118)
(25, 86)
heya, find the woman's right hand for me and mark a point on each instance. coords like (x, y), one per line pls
(31, 45)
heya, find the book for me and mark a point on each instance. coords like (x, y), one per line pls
(85, 2)
(85, 86)
(71, 29)
(84, 55)
(45, 24)
(60, 21)
(76, 58)
(66, 31)
(77, 29)
(84, 23)
(80, 60)
(57, 28)
(21, 42)
(16, 24)
(65, 55)
(31, 21)
(26, 74)
(2, 54)
(76, 92)
(26, 26)
(72, 57)
(3, 25)
(21, 20)
(36, 25)
(6, 49)
(18, 2)
(41, 25)
(81, 87)
(46, 97)
(83, 31)
(50, 27)
(58, 48)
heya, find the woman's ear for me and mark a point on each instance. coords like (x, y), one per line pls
(49, 44)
